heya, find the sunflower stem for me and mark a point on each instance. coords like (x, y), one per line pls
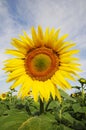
(82, 93)
(41, 107)
(46, 108)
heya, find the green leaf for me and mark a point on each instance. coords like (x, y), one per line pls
(68, 117)
(65, 106)
(66, 96)
(71, 121)
(77, 87)
(82, 110)
(76, 107)
(42, 122)
(63, 127)
(79, 125)
(53, 104)
(12, 120)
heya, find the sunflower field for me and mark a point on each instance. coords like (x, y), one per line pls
(70, 114)
(42, 66)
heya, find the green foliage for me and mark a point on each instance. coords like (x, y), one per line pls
(42, 122)
(18, 114)
(12, 119)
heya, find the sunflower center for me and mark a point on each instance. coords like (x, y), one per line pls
(41, 63)
(3, 95)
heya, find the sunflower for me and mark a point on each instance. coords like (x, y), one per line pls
(42, 64)
(3, 96)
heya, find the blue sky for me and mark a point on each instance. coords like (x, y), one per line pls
(19, 15)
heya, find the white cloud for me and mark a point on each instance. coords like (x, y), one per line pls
(83, 67)
(2, 58)
(54, 13)
(70, 16)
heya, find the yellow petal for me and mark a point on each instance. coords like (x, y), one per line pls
(59, 42)
(21, 48)
(29, 41)
(19, 81)
(51, 88)
(72, 66)
(57, 94)
(62, 80)
(34, 35)
(26, 41)
(56, 35)
(62, 38)
(43, 91)
(68, 59)
(75, 68)
(50, 39)
(26, 87)
(38, 89)
(40, 32)
(18, 43)
(64, 49)
(47, 90)
(55, 81)
(46, 37)
(12, 68)
(35, 90)
(67, 75)
(16, 74)
(14, 61)
(15, 53)
(72, 71)
(71, 52)
(51, 33)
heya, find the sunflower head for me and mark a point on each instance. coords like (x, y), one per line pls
(82, 81)
(42, 64)
(3, 96)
